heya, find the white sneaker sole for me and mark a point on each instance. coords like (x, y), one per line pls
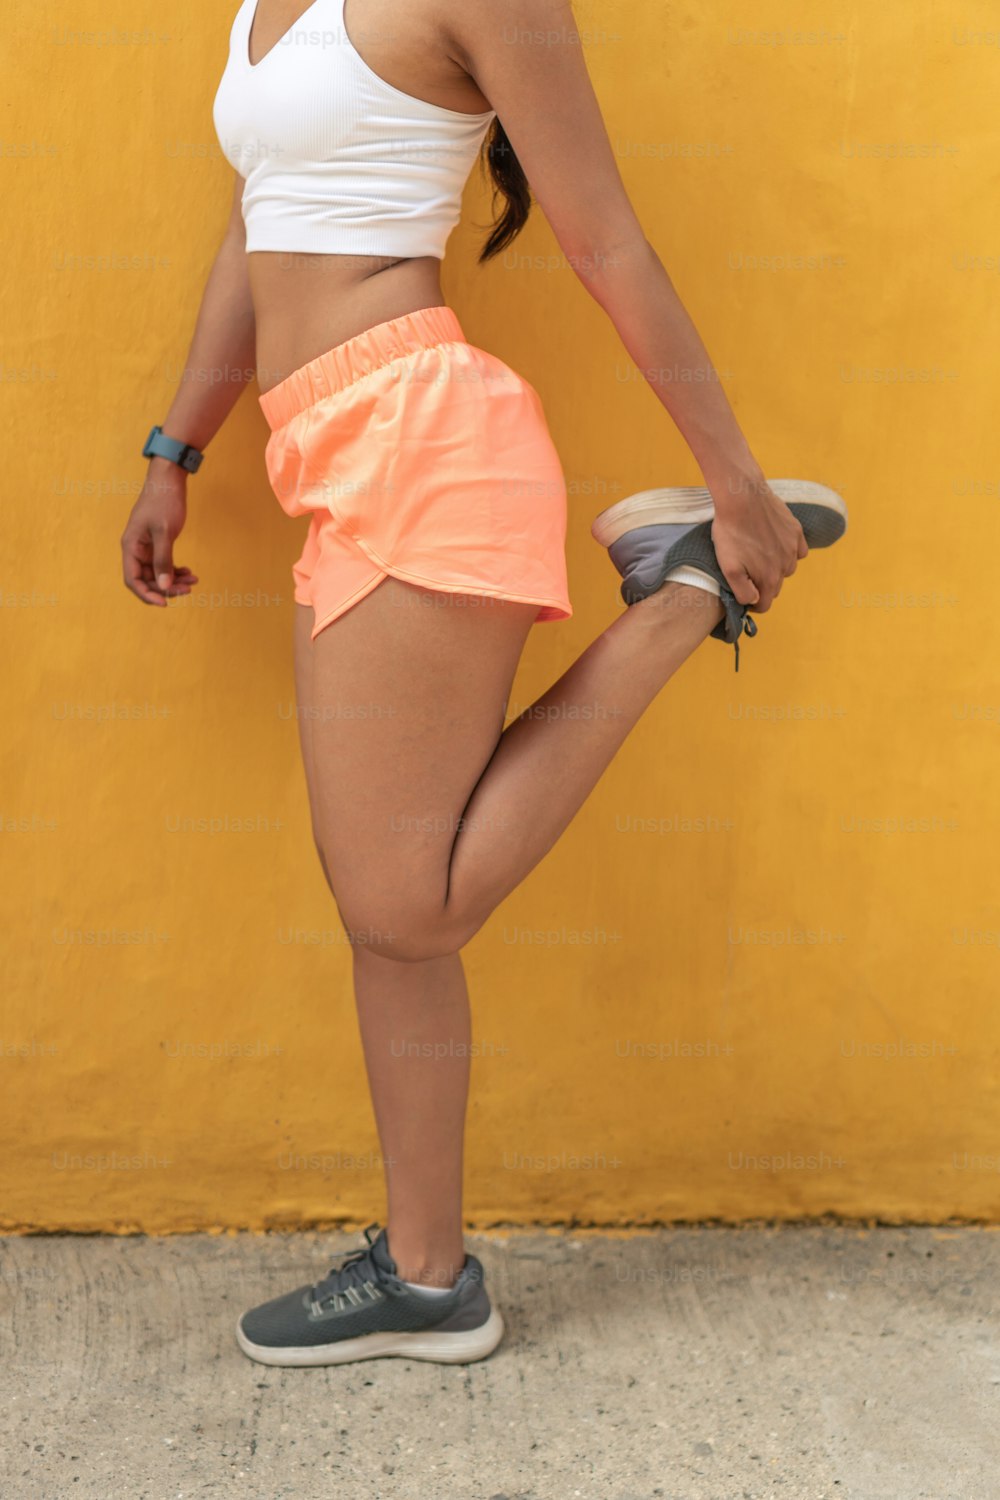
(444, 1348)
(693, 503)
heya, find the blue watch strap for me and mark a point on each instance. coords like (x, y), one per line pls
(158, 445)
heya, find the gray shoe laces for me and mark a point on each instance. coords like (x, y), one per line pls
(355, 1270)
(738, 617)
(750, 629)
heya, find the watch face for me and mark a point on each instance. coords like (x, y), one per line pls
(182, 454)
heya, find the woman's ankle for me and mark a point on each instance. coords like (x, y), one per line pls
(675, 601)
(428, 1264)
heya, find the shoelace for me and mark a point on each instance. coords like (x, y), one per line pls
(750, 629)
(354, 1270)
(747, 624)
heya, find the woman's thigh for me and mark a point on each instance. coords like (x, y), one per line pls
(305, 708)
(402, 704)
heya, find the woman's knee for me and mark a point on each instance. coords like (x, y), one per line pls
(404, 935)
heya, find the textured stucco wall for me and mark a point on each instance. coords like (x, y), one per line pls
(760, 974)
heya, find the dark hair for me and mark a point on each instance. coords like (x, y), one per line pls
(509, 181)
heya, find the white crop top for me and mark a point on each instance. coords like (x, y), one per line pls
(335, 159)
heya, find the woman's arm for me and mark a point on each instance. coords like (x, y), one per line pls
(527, 59)
(632, 285)
(757, 539)
(219, 364)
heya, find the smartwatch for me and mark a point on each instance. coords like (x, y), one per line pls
(158, 445)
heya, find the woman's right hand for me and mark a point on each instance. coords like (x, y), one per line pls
(758, 541)
(147, 542)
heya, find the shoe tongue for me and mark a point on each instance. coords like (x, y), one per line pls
(380, 1253)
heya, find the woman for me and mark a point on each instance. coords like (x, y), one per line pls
(438, 512)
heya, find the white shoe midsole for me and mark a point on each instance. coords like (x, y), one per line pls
(445, 1348)
(693, 504)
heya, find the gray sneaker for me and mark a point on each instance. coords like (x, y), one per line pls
(362, 1310)
(665, 535)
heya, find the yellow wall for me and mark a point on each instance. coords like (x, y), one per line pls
(837, 900)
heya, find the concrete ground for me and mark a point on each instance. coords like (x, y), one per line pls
(806, 1363)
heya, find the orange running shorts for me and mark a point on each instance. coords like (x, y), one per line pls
(418, 456)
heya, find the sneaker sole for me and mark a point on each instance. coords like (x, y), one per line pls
(444, 1348)
(693, 503)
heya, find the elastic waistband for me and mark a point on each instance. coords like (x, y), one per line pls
(341, 366)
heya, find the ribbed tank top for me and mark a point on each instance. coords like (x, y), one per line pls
(335, 159)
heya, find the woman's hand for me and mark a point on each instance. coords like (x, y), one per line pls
(757, 540)
(147, 542)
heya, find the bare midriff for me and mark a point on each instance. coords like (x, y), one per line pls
(307, 304)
